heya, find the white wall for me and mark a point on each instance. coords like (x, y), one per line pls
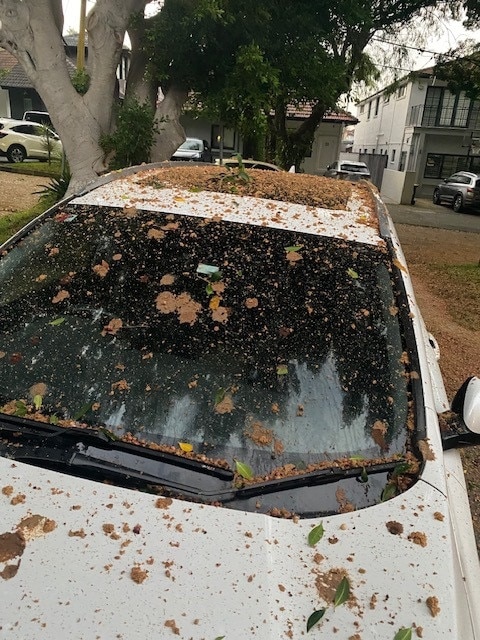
(397, 186)
(384, 133)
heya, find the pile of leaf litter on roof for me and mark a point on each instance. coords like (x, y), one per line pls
(299, 188)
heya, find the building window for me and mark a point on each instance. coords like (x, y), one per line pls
(401, 91)
(362, 108)
(386, 97)
(394, 152)
(446, 109)
(442, 165)
(377, 105)
(228, 137)
(369, 109)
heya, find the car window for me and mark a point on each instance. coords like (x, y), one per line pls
(22, 128)
(354, 168)
(265, 345)
(191, 145)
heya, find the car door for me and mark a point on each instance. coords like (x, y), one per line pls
(451, 186)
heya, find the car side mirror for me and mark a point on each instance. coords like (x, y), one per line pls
(460, 427)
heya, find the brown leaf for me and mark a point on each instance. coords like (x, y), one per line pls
(61, 295)
(101, 269)
(112, 327)
(155, 234)
(167, 279)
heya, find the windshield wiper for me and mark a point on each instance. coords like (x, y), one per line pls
(91, 453)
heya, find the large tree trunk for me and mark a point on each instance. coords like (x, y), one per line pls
(31, 31)
(171, 133)
(293, 146)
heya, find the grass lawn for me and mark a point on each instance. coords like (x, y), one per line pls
(460, 282)
(52, 170)
(11, 223)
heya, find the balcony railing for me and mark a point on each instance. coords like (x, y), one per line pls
(462, 118)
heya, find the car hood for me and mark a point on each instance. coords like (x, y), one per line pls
(186, 154)
(109, 562)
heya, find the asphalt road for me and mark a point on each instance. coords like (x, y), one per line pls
(425, 214)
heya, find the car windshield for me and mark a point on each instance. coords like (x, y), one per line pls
(244, 342)
(354, 168)
(191, 145)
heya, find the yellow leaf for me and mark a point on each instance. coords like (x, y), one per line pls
(185, 446)
(214, 303)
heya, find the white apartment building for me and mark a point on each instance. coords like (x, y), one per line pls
(425, 130)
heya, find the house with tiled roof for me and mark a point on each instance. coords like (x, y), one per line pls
(17, 94)
(326, 147)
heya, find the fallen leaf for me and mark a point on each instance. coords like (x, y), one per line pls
(185, 446)
(101, 269)
(61, 295)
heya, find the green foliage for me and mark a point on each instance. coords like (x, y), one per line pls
(246, 61)
(461, 69)
(56, 189)
(134, 135)
(48, 143)
(81, 81)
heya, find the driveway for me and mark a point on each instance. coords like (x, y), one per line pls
(17, 191)
(426, 214)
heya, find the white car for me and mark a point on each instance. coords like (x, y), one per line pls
(348, 170)
(223, 417)
(21, 139)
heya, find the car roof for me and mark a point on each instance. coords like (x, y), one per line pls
(250, 161)
(470, 174)
(13, 122)
(315, 205)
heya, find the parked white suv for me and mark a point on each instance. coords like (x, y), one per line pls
(222, 417)
(21, 140)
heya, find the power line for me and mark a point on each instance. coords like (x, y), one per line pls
(419, 49)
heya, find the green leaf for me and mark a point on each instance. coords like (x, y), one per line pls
(282, 370)
(243, 470)
(316, 534)
(20, 409)
(220, 395)
(364, 475)
(109, 434)
(314, 618)
(342, 593)
(294, 248)
(82, 411)
(390, 491)
(209, 289)
(216, 277)
(403, 634)
(400, 468)
(353, 274)
(56, 322)
(53, 419)
(357, 458)
(37, 401)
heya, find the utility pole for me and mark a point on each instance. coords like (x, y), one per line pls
(81, 37)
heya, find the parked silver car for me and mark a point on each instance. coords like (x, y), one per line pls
(348, 170)
(461, 190)
(193, 150)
